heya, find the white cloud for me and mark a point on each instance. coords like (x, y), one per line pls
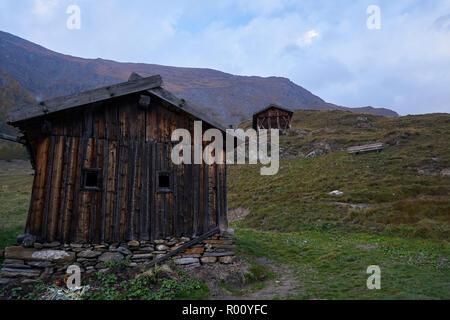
(307, 38)
(44, 7)
(404, 66)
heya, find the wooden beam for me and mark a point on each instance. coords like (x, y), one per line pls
(366, 148)
(184, 247)
(83, 98)
(12, 138)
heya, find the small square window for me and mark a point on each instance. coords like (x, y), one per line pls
(164, 181)
(92, 179)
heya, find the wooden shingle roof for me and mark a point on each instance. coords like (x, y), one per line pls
(135, 84)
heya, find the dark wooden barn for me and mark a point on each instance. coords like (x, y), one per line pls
(103, 171)
(273, 117)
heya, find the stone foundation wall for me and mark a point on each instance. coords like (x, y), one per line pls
(52, 259)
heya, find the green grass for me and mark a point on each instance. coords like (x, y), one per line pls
(12, 151)
(15, 189)
(329, 266)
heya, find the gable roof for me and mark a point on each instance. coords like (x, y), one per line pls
(273, 105)
(44, 108)
(135, 84)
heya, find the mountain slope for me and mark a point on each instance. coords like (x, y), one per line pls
(234, 98)
(11, 94)
(403, 190)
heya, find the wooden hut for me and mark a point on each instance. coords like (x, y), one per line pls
(273, 117)
(103, 171)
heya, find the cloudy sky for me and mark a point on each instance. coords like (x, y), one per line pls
(322, 45)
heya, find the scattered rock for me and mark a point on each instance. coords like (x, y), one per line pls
(44, 264)
(21, 253)
(88, 254)
(28, 241)
(207, 260)
(162, 247)
(218, 254)
(20, 238)
(148, 273)
(366, 246)
(228, 233)
(123, 251)
(17, 273)
(49, 271)
(359, 206)
(195, 250)
(238, 214)
(316, 153)
(110, 256)
(220, 242)
(133, 243)
(297, 132)
(53, 256)
(14, 261)
(446, 172)
(16, 265)
(142, 256)
(187, 261)
(53, 244)
(226, 260)
(167, 270)
(106, 270)
(29, 281)
(146, 249)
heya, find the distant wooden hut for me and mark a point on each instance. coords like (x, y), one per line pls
(273, 117)
(103, 171)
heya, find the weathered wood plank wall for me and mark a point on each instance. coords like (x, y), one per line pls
(129, 145)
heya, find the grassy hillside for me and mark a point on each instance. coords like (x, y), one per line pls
(394, 211)
(401, 190)
(12, 94)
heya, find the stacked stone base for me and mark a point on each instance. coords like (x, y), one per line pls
(42, 260)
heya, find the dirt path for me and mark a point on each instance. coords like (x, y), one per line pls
(283, 285)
